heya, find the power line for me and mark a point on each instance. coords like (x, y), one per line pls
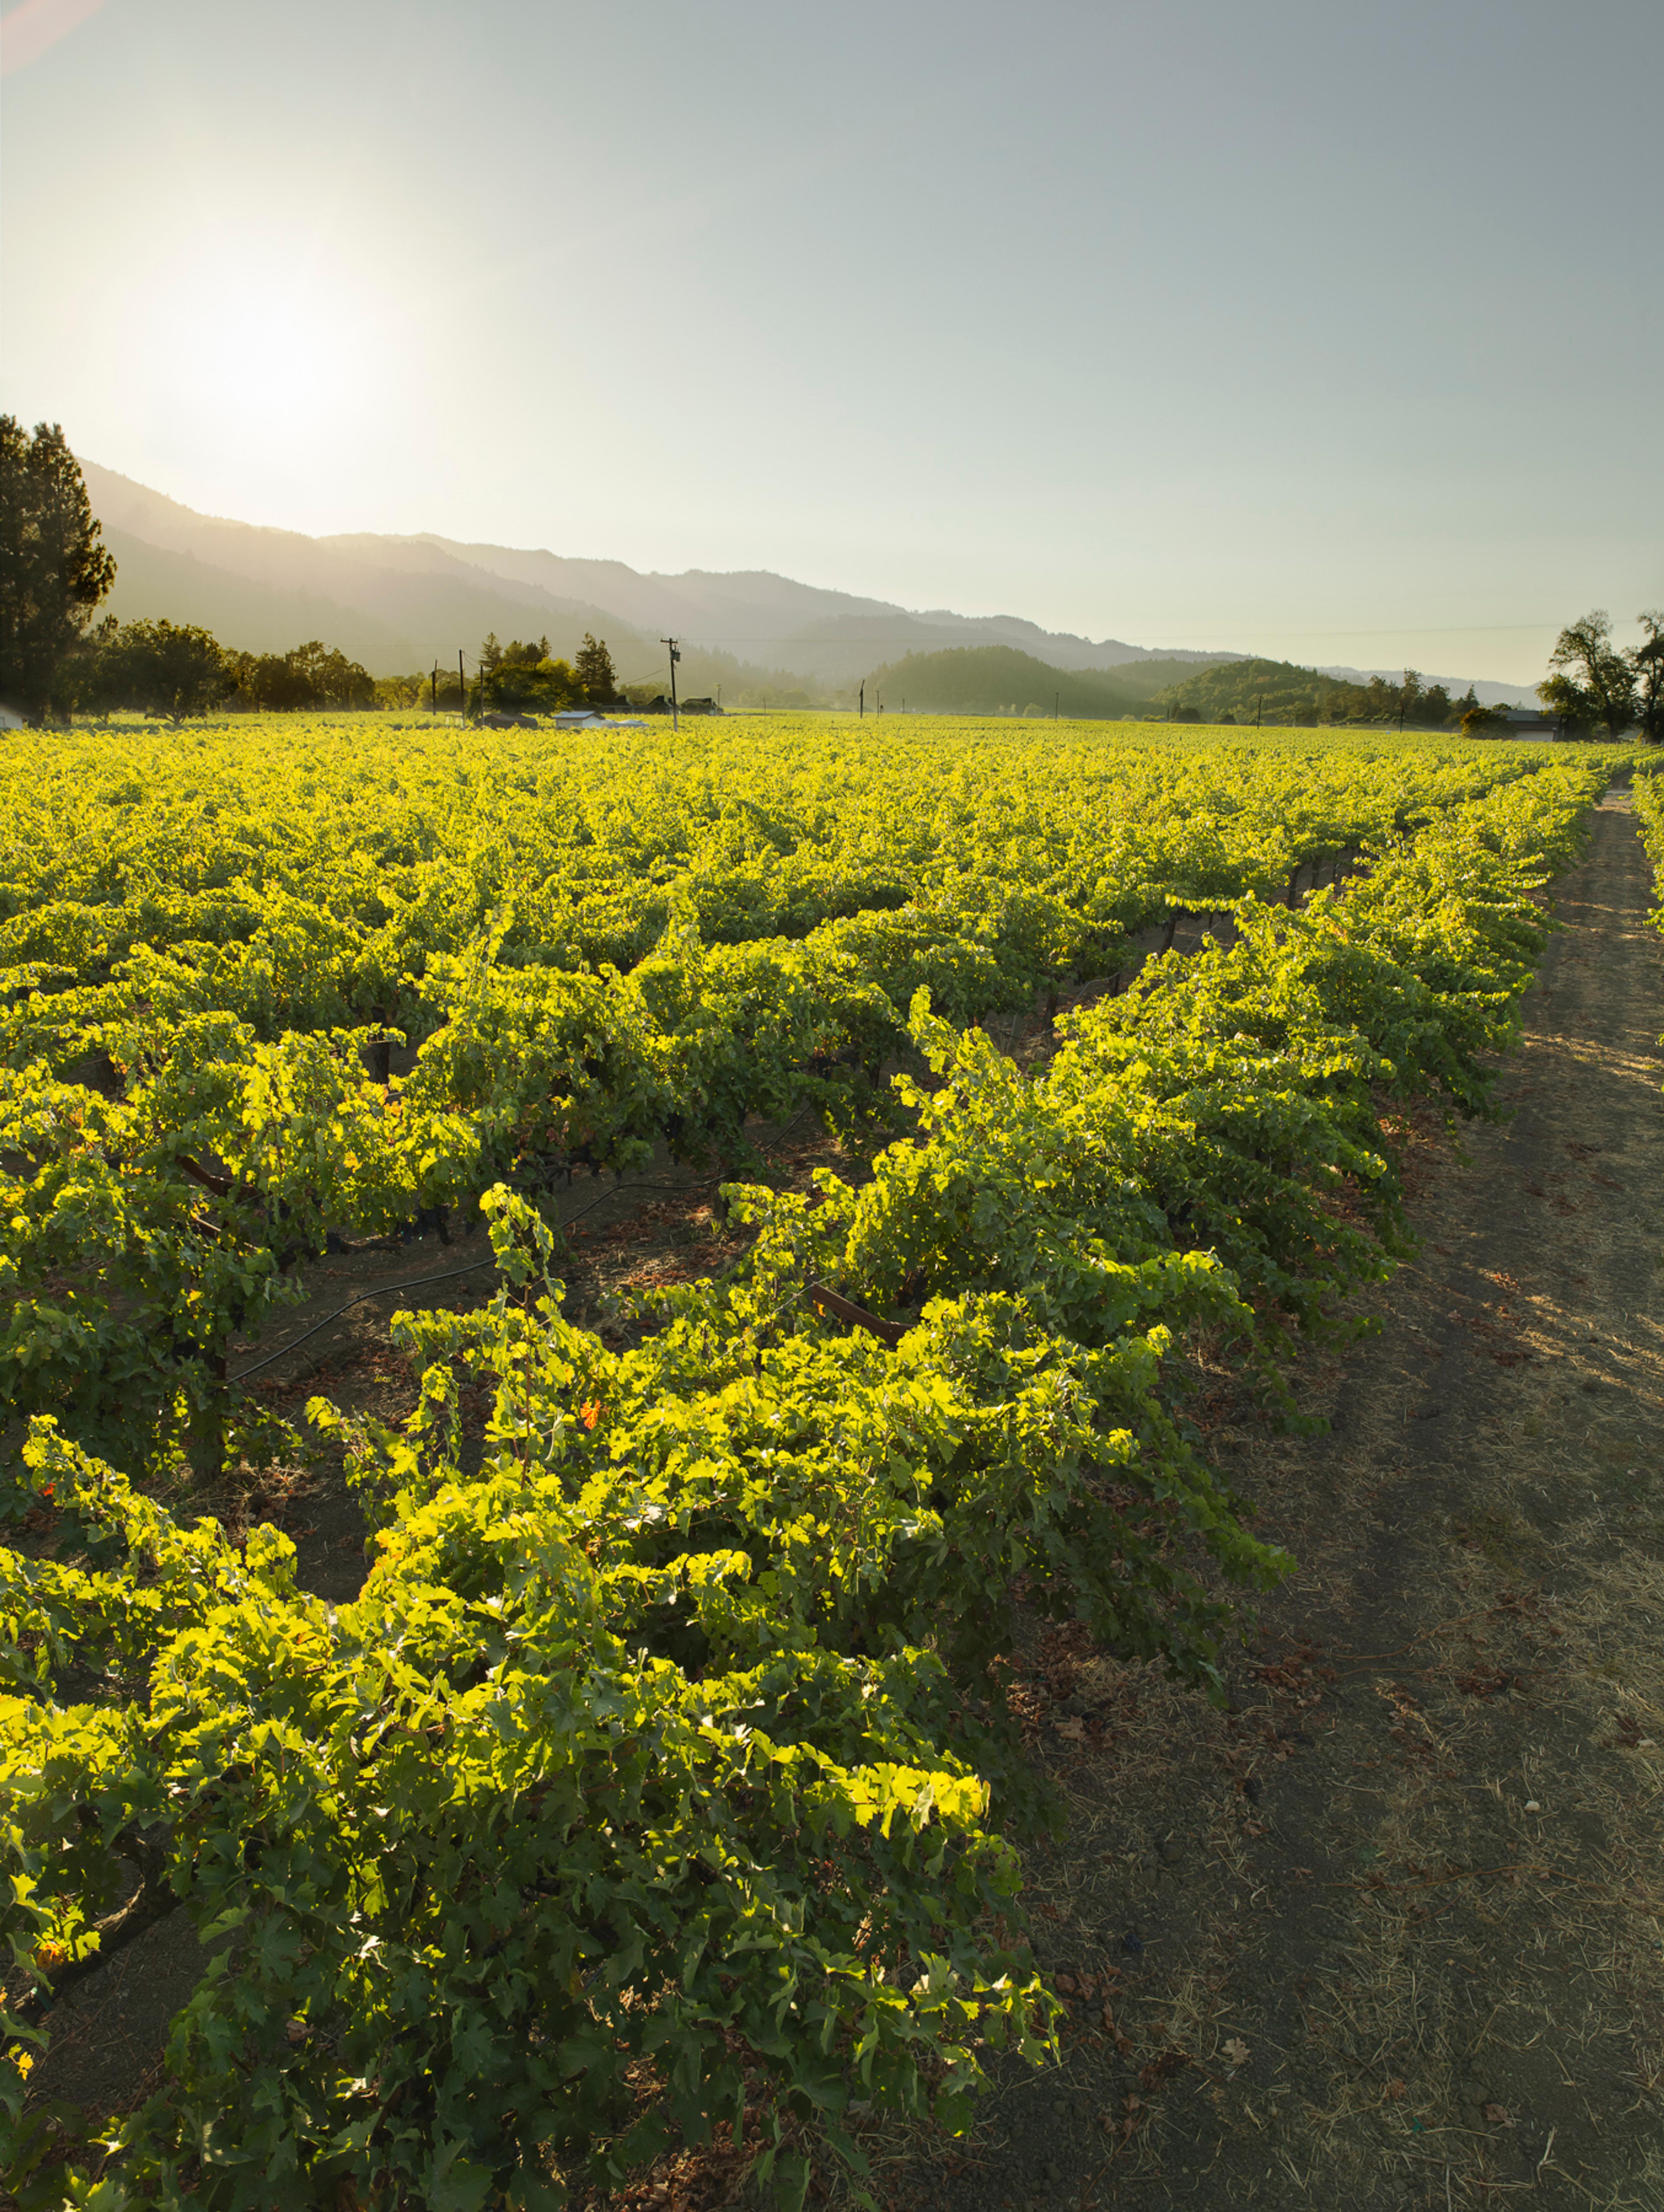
(1399, 629)
(707, 640)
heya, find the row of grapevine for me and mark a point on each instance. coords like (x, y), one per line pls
(207, 945)
(1648, 796)
(660, 1774)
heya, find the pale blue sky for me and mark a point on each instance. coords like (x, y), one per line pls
(1327, 330)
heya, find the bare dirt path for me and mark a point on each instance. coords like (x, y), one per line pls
(1388, 1936)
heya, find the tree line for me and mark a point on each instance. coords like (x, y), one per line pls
(175, 669)
(1283, 692)
(516, 678)
(55, 571)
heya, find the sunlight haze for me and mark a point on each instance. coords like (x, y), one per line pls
(1324, 331)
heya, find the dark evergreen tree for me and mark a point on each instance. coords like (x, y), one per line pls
(593, 668)
(53, 568)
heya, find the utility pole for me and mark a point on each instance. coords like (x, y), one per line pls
(675, 719)
(863, 700)
(433, 695)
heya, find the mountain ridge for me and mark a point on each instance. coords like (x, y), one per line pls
(399, 601)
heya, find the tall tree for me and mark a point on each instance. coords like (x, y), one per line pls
(593, 668)
(1648, 662)
(1593, 684)
(53, 570)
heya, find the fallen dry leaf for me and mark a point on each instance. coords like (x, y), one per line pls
(1162, 2068)
(1236, 2050)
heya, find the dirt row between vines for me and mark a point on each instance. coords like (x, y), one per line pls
(1318, 1950)
(1387, 1935)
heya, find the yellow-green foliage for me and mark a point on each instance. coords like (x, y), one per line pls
(669, 1733)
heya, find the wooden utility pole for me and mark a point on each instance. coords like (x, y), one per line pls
(433, 695)
(862, 699)
(676, 719)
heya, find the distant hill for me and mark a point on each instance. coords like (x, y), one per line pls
(1487, 694)
(261, 616)
(1282, 691)
(398, 603)
(997, 679)
(392, 609)
(1275, 690)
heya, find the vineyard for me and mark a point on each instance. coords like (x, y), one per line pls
(663, 1779)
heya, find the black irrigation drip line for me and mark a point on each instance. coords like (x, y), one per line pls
(415, 1283)
(450, 1274)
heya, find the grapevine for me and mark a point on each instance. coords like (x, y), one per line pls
(661, 1771)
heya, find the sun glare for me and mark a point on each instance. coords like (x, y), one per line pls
(264, 344)
(271, 360)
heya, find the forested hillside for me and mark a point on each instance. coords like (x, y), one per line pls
(1282, 691)
(996, 679)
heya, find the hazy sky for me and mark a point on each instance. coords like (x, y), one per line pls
(1328, 329)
